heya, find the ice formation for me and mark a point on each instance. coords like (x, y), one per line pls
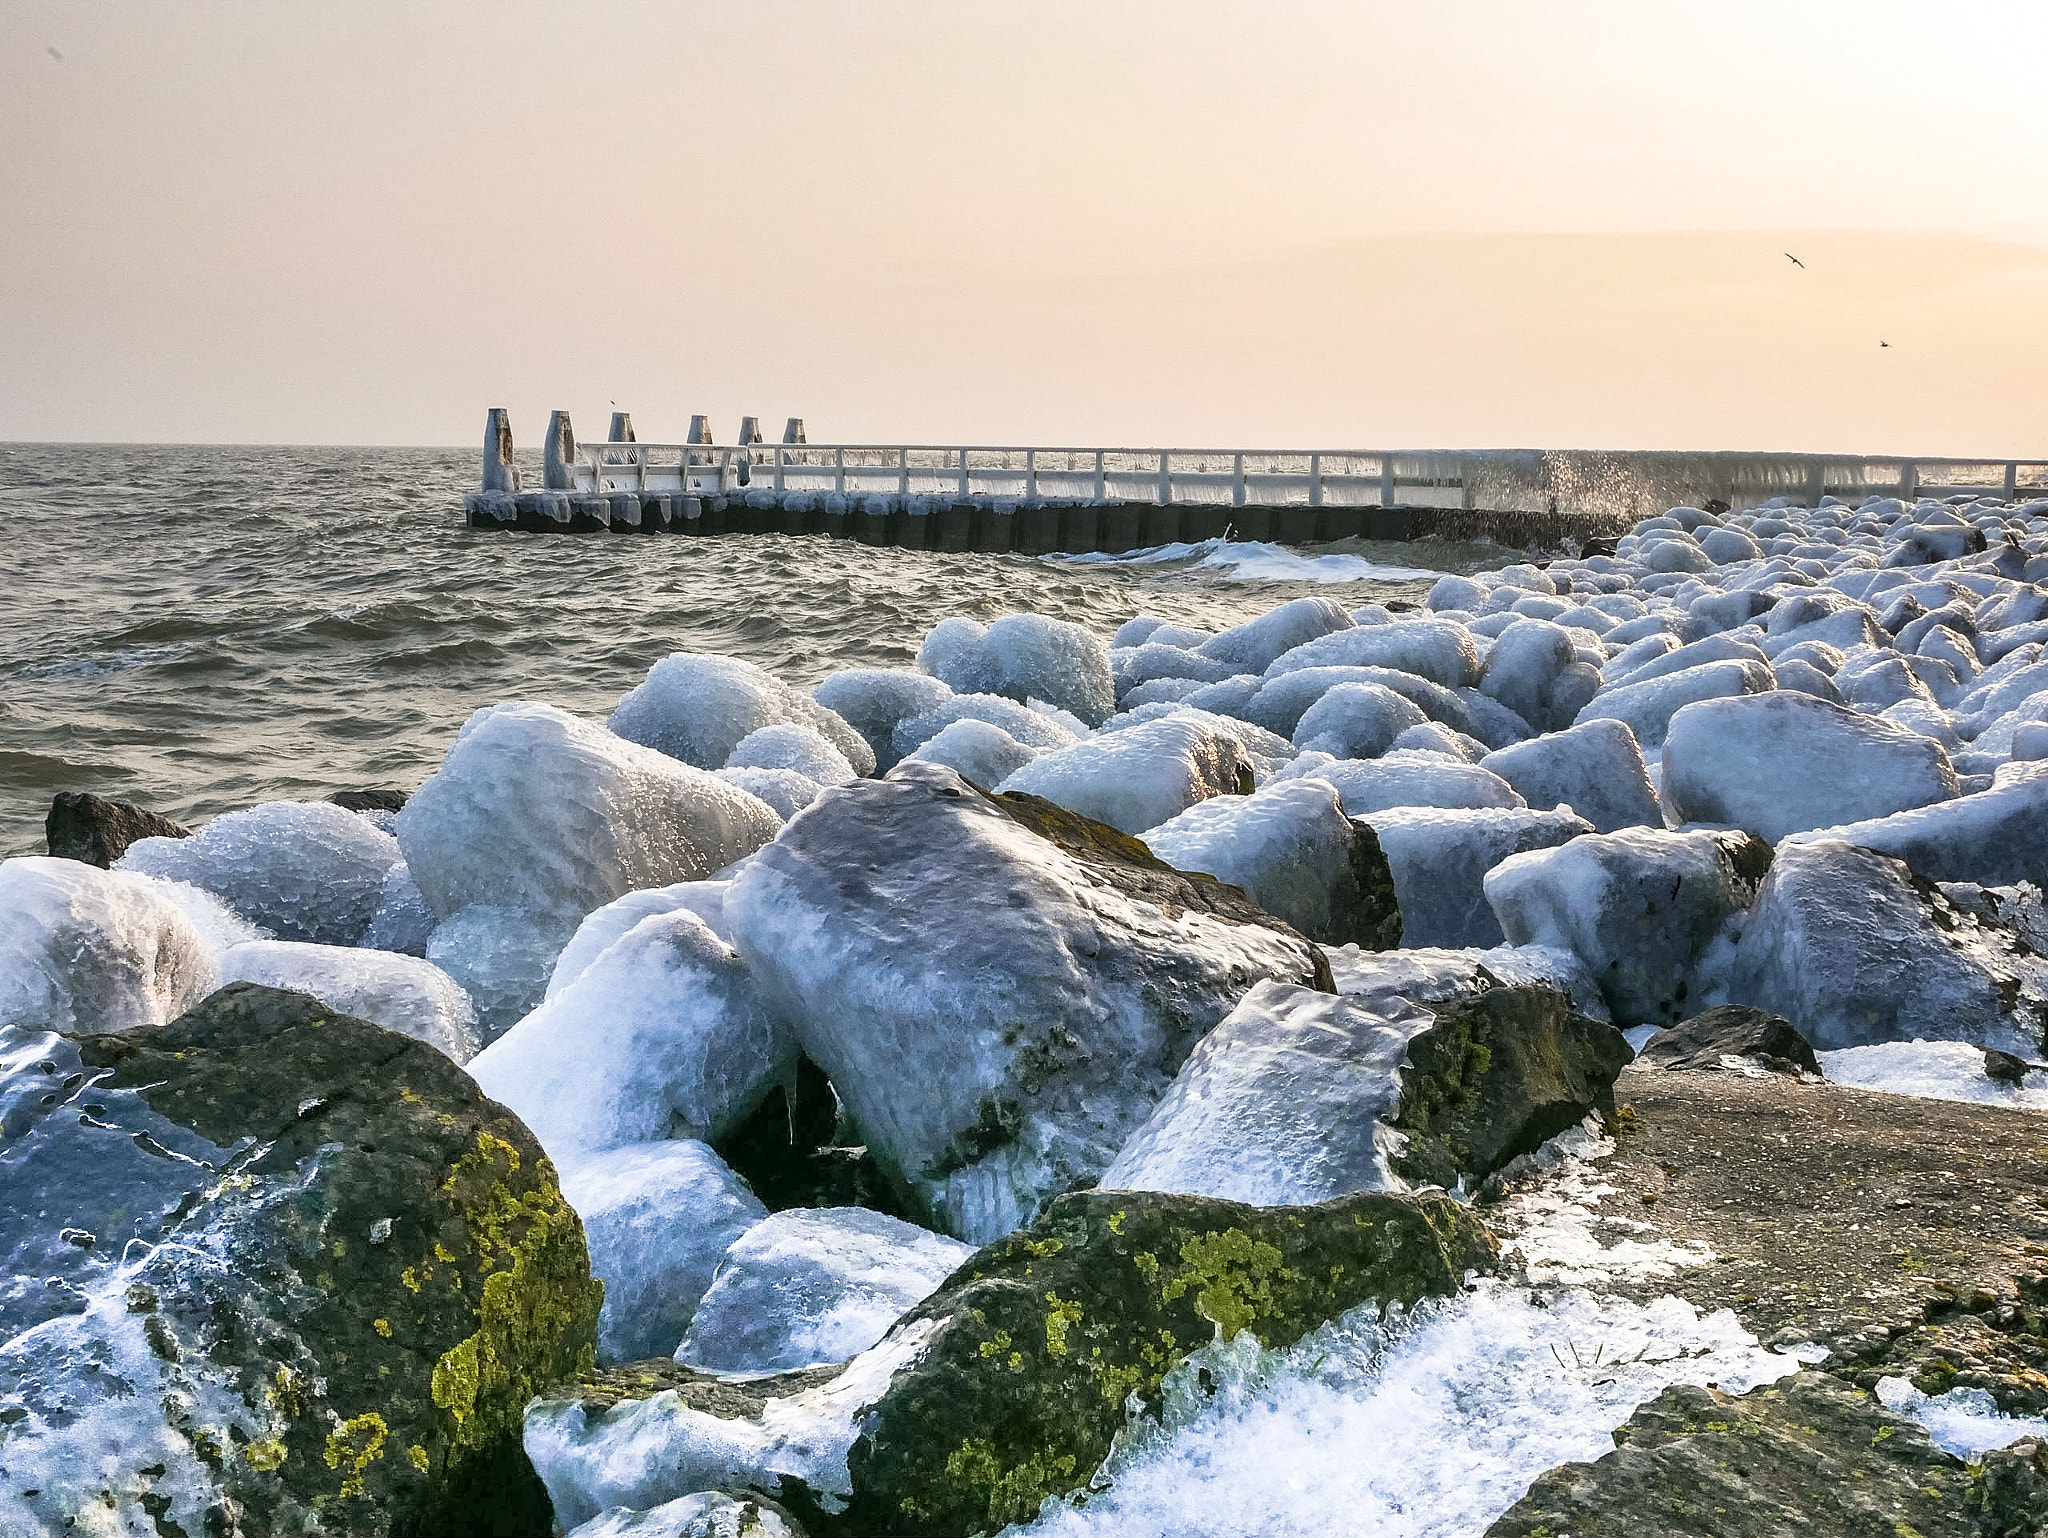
(699, 708)
(873, 700)
(786, 745)
(399, 993)
(1138, 778)
(1933, 1070)
(596, 934)
(1289, 846)
(1025, 657)
(979, 750)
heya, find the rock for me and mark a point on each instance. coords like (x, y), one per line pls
(374, 800)
(2012, 1496)
(1009, 1383)
(707, 1514)
(1298, 1097)
(1283, 702)
(664, 1035)
(501, 957)
(1995, 836)
(98, 832)
(1441, 651)
(1595, 768)
(1783, 763)
(1640, 907)
(92, 951)
(658, 1217)
(332, 1322)
(979, 751)
(1257, 644)
(813, 1286)
(997, 988)
(1647, 707)
(786, 745)
(400, 993)
(304, 870)
(1432, 976)
(1403, 778)
(1810, 1454)
(2004, 1067)
(1534, 670)
(1354, 720)
(1440, 860)
(1730, 1030)
(1853, 947)
(1296, 854)
(1024, 657)
(1138, 778)
(698, 708)
(873, 700)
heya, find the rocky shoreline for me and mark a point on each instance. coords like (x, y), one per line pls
(1562, 1059)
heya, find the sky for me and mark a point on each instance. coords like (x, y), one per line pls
(1438, 223)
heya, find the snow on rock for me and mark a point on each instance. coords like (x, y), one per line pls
(1441, 651)
(1640, 907)
(657, 1216)
(1931, 1070)
(305, 870)
(1355, 720)
(699, 708)
(995, 1013)
(596, 934)
(786, 745)
(1853, 947)
(1647, 707)
(1257, 644)
(663, 1034)
(93, 951)
(1028, 726)
(1994, 836)
(1783, 763)
(1595, 768)
(873, 700)
(1024, 657)
(1440, 859)
(1139, 777)
(400, 993)
(1293, 849)
(1403, 777)
(979, 750)
(1281, 701)
(813, 1286)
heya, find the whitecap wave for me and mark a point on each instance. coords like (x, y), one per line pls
(1256, 561)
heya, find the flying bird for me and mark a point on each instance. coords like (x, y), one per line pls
(51, 50)
(1795, 261)
(1884, 344)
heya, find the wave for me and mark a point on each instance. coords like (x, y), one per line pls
(1255, 561)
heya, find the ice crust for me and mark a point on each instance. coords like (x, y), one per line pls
(1964, 1422)
(1931, 1070)
(1288, 845)
(786, 745)
(1138, 778)
(1024, 657)
(1440, 859)
(984, 753)
(873, 700)
(595, 935)
(1404, 777)
(699, 708)
(400, 993)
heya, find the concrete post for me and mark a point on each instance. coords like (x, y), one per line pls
(794, 431)
(560, 453)
(500, 474)
(750, 430)
(700, 429)
(622, 428)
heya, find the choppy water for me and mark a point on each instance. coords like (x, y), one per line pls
(199, 629)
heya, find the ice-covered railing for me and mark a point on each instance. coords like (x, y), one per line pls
(1621, 482)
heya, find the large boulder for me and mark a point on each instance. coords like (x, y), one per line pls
(1854, 947)
(1711, 1038)
(1139, 777)
(1641, 907)
(1299, 1096)
(1432, 976)
(304, 1277)
(97, 831)
(1647, 706)
(1595, 768)
(1009, 1384)
(1995, 836)
(1534, 669)
(1024, 657)
(698, 708)
(873, 700)
(979, 750)
(400, 993)
(1355, 720)
(1440, 859)
(1258, 643)
(1783, 762)
(997, 989)
(1291, 848)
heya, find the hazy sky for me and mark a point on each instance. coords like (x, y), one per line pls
(1438, 222)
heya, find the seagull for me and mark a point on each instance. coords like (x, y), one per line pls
(51, 50)
(1884, 344)
(1795, 261)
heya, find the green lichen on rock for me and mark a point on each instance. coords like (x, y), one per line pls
(1044, 1337)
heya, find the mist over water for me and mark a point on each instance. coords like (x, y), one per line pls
(199, 629)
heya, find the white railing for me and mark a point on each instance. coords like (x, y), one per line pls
(1503, 480)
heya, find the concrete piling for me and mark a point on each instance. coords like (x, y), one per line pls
(500, 473)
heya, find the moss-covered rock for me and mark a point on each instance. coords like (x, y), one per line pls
(352, 1303)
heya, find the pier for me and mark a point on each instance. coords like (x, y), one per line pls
(1041, 500)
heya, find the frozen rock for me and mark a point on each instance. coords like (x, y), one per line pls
(305, 870)
(1434, 737)
(1355, 721)
(658, 1216)
(1853, 948)
(984, 753)
(1403, 777)
(1782, 763)
(996, 1010)
(1169, 691)
(1640, 907)
(1255, 645)
(596, 934)
(1995, 836)
(1794, 673)
(1647, 707)
(1298, 1097)
(1262, 747)
(1293, 849)
(786, 745)
(1138, 778)
(784, 791)
(706, 1514)
(1137, 666)
(501, 957)
(1026, 725)
(1441, 651)
(92, 951)
(664, 1034)
(813, 1286)
(400, 993)
(873, 700)
(535, 810)
(1595, 768)
(1440, 859)
(1534, 669)
(1024, 657)
(699, 708)
(403, 922)
(1431, 976)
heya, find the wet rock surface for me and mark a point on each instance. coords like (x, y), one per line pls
(1731, 1030)
(98, 831)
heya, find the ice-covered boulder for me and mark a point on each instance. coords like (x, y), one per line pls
(873, 700)
(400, 993)
(1404, 777)
(1032, 727)
(1707, 1042)
(1853, 947)
(1255, 645)
(1298, 1097)
(1995, 836)
(786, 745)
(698, 708)
(1441, 651)
(535, 810)
(1355, 720)
(658, 1216)
(596, 934)
(996, 1009)
(305, 870)
(1136, 666)
(501, 957)
(1292, 848)
(1595, 768)
(403, 922)
(1024, 657)
(1783, 763)
(980, 750)
(1534, 669)
(663, 1034)
(784, 791)
(1440, 858)
(1282, 701)
(1434, 976)
(1139, 777)
(91, 951)
(815, 1285)
(1640, 907)
(704, 1514)
(1648, 706)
